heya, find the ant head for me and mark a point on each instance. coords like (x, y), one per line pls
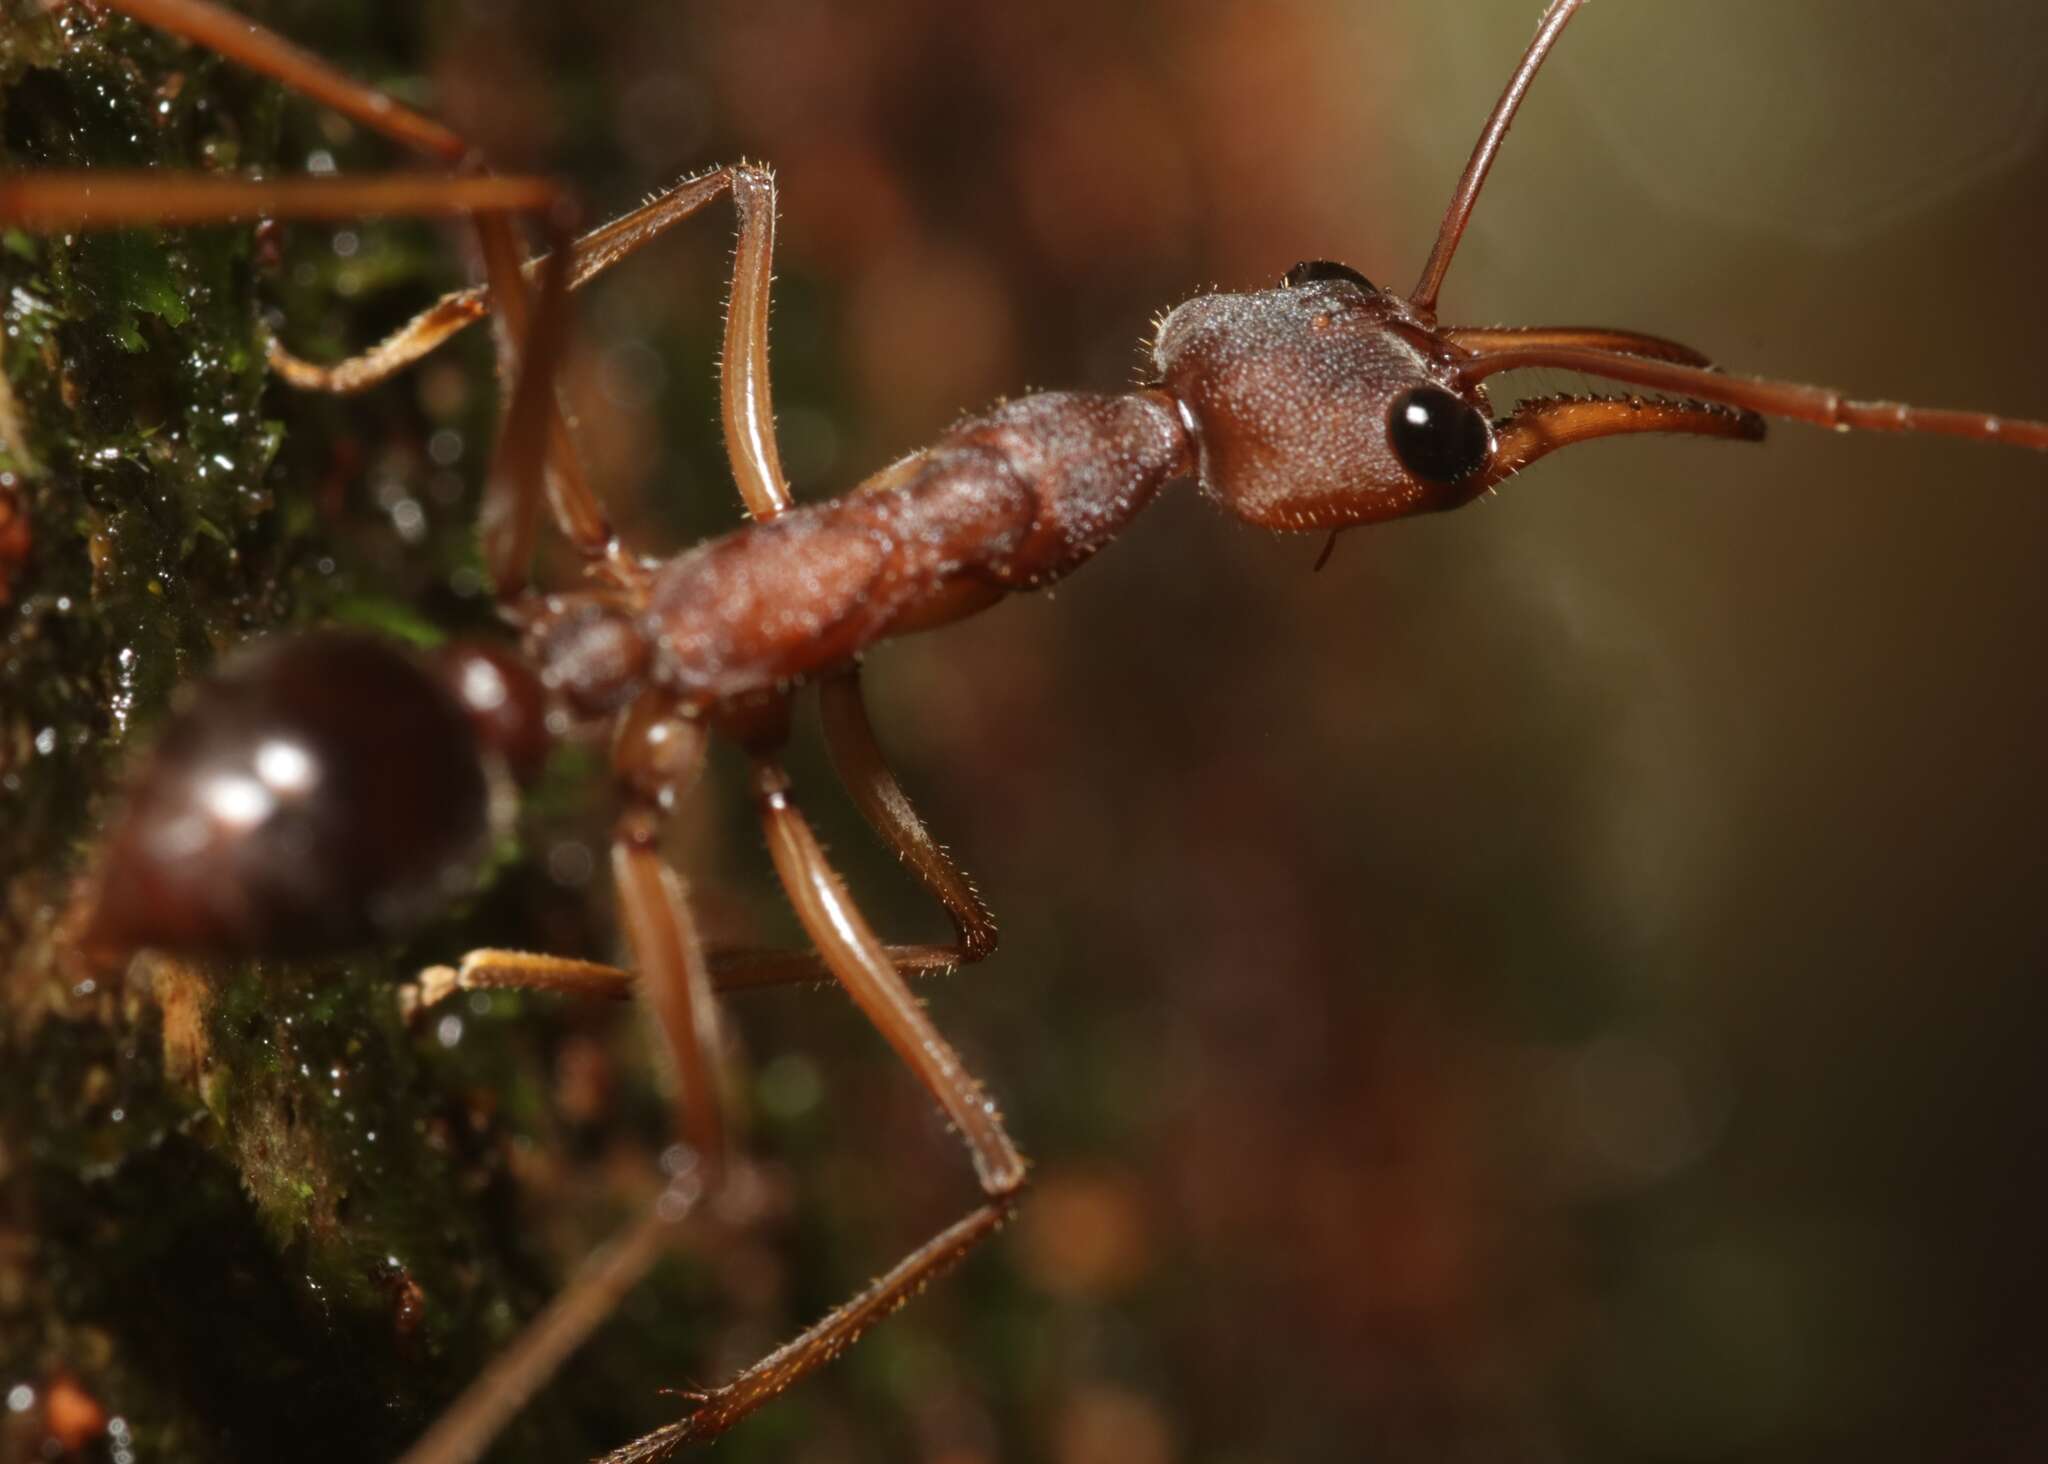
(1329, 402)
(1323, 403)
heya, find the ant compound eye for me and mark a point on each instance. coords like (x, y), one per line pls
(1438, 437)
(1311, 270)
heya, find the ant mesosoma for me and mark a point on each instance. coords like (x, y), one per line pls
(330, 789)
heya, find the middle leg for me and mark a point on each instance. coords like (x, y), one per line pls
(862, 965)
(676, 981)
(858, 759)
(865, 773)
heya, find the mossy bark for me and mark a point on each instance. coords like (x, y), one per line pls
(244, 1214)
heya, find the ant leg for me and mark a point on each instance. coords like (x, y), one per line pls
(52, 202)
(492, 968)
(55, 201)
(862, 966)
(748, 412)
(673, 978)
(591, 255)
(469, 1424)
(100, 199)
(535, 461)
(570, 498)
(747, 409)
(857, 758)
(658, 753)
(224, 32)
(720, 1408)
(750, 968)
(489, 969)
(209, 25)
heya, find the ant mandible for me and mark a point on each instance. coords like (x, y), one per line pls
(329, 789)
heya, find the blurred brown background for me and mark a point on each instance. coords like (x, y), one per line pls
(1562, 983)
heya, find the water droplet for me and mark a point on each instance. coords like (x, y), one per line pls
(445, 447)
(570, 863)
(409, 519)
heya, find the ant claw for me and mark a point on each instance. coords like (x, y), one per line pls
(434, 985)
(705, 1420)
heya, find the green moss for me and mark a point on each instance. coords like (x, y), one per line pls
(135, 359)
(247, 1208)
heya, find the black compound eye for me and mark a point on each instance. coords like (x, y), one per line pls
(1437, 437)
(1311, 270)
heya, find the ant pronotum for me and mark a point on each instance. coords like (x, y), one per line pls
(1320, 404)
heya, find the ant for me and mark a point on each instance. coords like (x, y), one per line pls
(332, 789)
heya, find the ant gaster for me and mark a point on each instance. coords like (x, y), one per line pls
(288, 808)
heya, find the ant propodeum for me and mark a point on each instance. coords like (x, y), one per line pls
(331, 789)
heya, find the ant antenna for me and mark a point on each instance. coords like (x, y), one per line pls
(1423, 298)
